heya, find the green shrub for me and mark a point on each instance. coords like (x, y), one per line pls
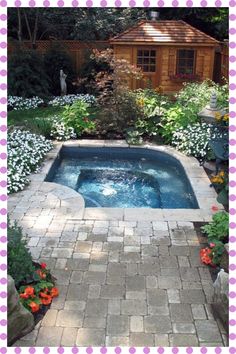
(151, 102)
(57, 59)
(148, 126)
(189, 102)
(223, 95)
(197, 95)
(126, 108)
(41, 126)
(86, 82)
(60, 131)
(218, 229)
(26, 74)
(19, 260)
(76, 117)
(119, 114)
(176, 117)
(152, 105)
(217, 250)
(133, 137)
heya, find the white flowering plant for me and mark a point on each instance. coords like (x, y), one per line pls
(25, 153)
(19, 103)
(60, 131)
(197, 94)
(193, 140)
(70, 99)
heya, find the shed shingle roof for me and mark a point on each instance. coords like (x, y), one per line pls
(164, 32)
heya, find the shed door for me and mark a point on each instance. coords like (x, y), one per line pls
(146, 59)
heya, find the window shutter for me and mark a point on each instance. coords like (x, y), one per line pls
(172, 63)
(200, 64)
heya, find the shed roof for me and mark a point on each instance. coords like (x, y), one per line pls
(164, 32)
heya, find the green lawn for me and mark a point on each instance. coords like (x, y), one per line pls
(36, 120)
(23, 117)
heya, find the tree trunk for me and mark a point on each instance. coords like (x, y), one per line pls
(19, 32)
(28, 26)
(35, 29)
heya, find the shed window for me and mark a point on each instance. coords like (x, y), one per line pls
(146, 60)
(185, 61)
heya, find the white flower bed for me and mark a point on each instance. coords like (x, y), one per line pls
(60, 132)
(18, 103)
(193, 140)
(70, 99)
(25, 153)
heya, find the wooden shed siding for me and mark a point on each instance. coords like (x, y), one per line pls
(166, 64)
(225, 59)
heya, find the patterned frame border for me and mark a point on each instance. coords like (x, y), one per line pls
(4, 4)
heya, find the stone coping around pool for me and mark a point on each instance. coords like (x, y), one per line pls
(72, 202)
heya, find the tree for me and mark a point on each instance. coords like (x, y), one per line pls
(101, 24)
(79, 23)
(212, 21)
(26, 74)
(32, 32)
(119, 109)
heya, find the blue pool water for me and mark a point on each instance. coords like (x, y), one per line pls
(124, 178)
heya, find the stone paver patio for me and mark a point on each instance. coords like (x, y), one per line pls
(135, 282)
(126, 283)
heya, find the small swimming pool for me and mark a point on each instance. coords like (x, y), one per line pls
(124, 178)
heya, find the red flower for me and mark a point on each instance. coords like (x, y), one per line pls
(29, 290)
(214, 208)
(205, 255)
(34, 307)
(54, 292)
(41, 274)
(43, 265)
(42, 294)
(24, 296)
(45, 299)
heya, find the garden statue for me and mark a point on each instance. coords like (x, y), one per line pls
(208, 113)
(63, 77)
(213, 101)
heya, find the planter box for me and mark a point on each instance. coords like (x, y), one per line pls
(184, 79)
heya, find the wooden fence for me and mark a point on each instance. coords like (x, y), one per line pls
(78, 51)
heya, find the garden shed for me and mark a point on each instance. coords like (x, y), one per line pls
(168, 52)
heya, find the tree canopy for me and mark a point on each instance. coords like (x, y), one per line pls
(101, 24)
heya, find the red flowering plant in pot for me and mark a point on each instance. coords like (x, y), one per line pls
(33, 281)
(217, 232)
(212, 255)
(40, 292)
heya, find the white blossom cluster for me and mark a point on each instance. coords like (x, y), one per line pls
(70, 99)
(60, 131)
(18, 103)
(25, 153)
(193, 140)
